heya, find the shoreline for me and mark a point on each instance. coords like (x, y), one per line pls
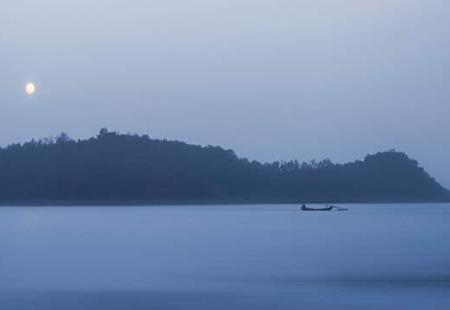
(146, 203)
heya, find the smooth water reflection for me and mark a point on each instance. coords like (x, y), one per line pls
(225, 257)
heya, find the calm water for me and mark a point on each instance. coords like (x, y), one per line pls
(225, 257)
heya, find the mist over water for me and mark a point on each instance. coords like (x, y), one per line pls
(225, 257)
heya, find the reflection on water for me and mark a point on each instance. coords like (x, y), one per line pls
(225, 257)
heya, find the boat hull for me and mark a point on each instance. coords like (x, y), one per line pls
(317, 209)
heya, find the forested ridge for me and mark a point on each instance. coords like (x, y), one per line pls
(124, 168)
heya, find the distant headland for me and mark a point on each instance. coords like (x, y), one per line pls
(114, 168)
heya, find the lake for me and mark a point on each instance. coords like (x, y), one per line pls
(377, 256)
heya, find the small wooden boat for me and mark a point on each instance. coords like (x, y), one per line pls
(327, 208)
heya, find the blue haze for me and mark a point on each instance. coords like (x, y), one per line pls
(272, 79)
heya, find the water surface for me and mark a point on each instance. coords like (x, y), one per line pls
(225, 257)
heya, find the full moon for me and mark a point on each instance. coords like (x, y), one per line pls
(30, 89)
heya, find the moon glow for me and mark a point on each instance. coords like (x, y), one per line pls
(30, 89)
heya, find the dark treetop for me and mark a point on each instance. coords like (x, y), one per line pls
(122, 168)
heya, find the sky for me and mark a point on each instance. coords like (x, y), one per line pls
(270, 79)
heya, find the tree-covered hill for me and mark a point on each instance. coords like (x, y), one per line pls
(122, 168)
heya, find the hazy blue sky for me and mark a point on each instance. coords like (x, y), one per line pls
(272, 79)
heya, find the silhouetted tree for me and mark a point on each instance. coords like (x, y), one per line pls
(114, 167)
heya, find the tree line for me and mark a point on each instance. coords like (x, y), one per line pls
(125, 168)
